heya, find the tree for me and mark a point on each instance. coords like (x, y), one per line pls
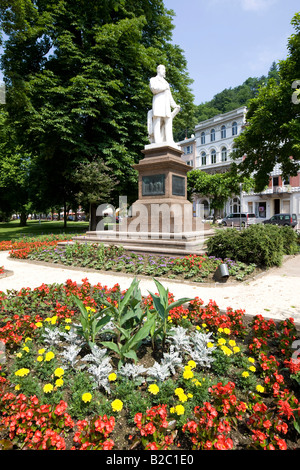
(15, 164)
(95, 183)
(219, 187)
(232, 98)
(272, 131)
(77, 78)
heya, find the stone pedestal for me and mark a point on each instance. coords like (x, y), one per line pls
(161, 220)
(162, 205)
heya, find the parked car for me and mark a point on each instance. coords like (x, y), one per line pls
(282, 219)
(235, 220)
(210, 219)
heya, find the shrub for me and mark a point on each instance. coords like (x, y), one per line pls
(264, 245)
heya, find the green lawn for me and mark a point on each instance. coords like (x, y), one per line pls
(13, 230)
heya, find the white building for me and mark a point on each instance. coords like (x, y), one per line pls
(209, 150)
(214, 140)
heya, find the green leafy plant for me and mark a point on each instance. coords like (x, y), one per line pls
(90, 322)
(130, 321)
(162, 308)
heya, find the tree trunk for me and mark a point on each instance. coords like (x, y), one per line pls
(23, 219)
(65, 214)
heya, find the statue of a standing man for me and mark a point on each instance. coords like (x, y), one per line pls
(160, 118)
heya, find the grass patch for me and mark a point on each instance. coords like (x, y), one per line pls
(13, 230)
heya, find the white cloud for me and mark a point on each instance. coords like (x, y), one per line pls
(257, 5)
(247, 5)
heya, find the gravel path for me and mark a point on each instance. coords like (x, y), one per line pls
(275, 294)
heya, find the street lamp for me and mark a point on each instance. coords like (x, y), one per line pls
(241, 190)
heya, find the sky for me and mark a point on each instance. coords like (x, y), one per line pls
(227, 41)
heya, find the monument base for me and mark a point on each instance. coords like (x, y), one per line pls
(159, 243)
(161, 220)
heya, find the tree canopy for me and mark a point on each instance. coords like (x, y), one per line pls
(77, 80)
(272, 132)
(219, 187)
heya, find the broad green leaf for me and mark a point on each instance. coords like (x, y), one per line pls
(111, 345)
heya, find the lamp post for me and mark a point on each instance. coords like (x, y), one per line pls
(241, 191)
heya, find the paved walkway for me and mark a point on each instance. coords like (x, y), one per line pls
(275, 294)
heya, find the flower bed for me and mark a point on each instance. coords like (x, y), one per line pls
(91, 367)
(1, 270)
(196, 268)
(21, 248)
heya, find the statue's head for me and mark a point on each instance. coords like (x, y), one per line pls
(161, 70)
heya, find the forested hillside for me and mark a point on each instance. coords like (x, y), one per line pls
(232, 98)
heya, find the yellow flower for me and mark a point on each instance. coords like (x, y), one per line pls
(179, 409)
(68, 320)
(188, 374)
(245, 374)
(17, 387)
(190, 395)
(183, 397)
(67, 327)
(40, 359)
(220, 330)
(198, 327)
(27, 339)
(204, 325)
(41, 351)
(86, 397)
(210, 344)
(59, 372)
(221, 341)
(227, 331)
(112, 377)
(252, 368)
(19, 354)
(226, 350)
(232, 343)
(26, 349)
(179, 391)
(192, 364)
(39, 324)
(49, 355)
(59, 382)
(22, 372)
(260, 389)
(48, 319)
(48, 388)
(236, 349)
(250, 359)
(53, 320)
(154, 389)
(117, 405)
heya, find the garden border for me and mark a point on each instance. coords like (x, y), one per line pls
(165, 279)
(7, 273)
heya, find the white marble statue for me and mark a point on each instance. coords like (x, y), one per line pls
(160, 117)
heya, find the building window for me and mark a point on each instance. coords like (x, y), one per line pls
(213, 157)
(224, 154)
(188, 149)
(203, 158)
(197, 162)
(190, 163)
(202, 138)
(275, 181)
(223, 132)
(212, 135)
(235, 205)
(234, 128)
